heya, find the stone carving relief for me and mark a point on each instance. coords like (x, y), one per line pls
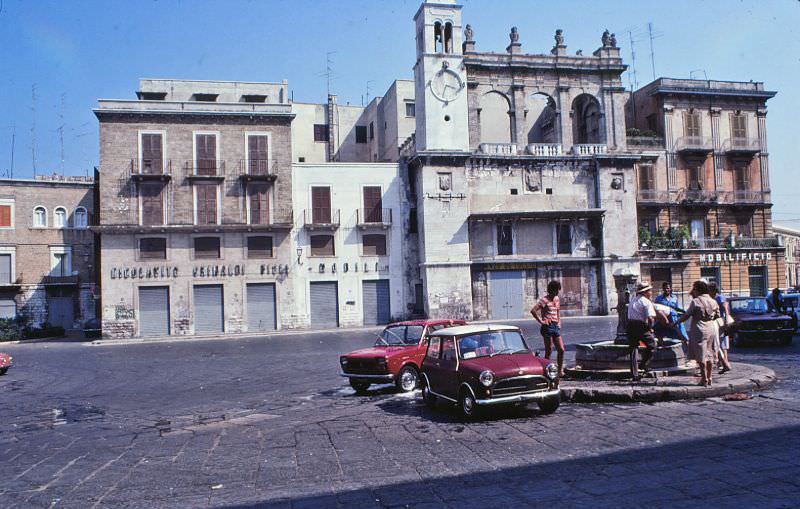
(445, 181)
(533, 179)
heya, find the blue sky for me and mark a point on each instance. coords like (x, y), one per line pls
(80, 50)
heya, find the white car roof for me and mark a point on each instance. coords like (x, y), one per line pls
(463, 330)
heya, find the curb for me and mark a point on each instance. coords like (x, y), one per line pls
(749, 378)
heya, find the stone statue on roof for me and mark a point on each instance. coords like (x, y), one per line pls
(468, 34)
(514, 35)
(559, 37)
(606, 38)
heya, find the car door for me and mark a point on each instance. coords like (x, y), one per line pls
(431, 365)
(448, 366)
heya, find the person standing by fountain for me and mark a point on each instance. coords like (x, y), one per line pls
(724, 340)
(641, 316)
(703, 333)
(669, 299)
(548, 313)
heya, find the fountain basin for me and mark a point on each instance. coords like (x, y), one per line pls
(606, 359)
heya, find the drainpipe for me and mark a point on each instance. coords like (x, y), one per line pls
(601, 253)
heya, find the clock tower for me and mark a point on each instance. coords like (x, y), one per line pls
(440, 79)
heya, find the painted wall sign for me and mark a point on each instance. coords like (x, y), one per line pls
(349, 267)
(713, 258)
(199, 271)
(154, 272)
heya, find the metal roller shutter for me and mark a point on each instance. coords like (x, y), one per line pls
(324, 305)
(377, 308)
(261, 307)
(208, 309)
(506, 294)
(60, 311)
(154, 311)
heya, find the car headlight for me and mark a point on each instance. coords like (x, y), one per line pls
(551, 371)
(381, 362)
(486, 378)
(343, 361)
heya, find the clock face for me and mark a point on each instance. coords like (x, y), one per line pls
(446, 85)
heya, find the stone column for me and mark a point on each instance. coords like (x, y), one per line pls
(564, 117)
(518, 119)
(718, 161)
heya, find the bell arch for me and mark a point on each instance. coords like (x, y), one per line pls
(495, 118)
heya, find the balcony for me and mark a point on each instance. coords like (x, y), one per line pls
(742, 146)
(258, 170)
(653, 196)
(544, 149)
(205, 169)
(700, 196)
(693, 144)
(750, 197)
(374, 218)
(730, 242)
(151, 169)
(60, 280)
(279, 219)
(589, 149)
(321, 218)
(645, 143)
(498, 149)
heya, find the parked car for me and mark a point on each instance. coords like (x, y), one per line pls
(5, 363)
(477, 366)
(753, 321)
(396, 356)
(791, 305)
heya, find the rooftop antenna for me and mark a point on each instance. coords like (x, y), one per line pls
(33, 128)
(653, 34)
(691, 73)
(368, 90)
(329, 75)
(61, 131)
(13, 139)
(634, 82)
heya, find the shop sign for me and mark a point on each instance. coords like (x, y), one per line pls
(350, 268)
(154, 272)
(198, 271)
(713, 258)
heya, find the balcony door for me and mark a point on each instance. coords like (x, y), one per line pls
(698, 229)
(152, 204)
(372, 204)
(206, 154)
(257, 154)
(259, 203)
(321, 205)
(152, 154)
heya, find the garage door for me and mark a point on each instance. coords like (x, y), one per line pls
(154, 311)
(375, 296)
(505, 294)
(208, 309)
(8, 308)
(324, 305)
(261, 307)
(60, 311)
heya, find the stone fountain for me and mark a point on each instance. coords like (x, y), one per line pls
(611, 359)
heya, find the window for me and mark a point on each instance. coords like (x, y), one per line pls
(361, 134)
(411, 109)
(206, 203)
(505, 244)
(6, 269)
(651, 224)
(710, 274)
(741, 180)
(695, 176)
(8, 308)
(258, 154)
(412, 221)
(153, 248)
(372, 204)
(744, 226)
(321, 205)
(563, 238)
(321, 132)
(81, 219)
(433, 348)
(692, 125)
(372, 130)
(374, 244)
(60, 262)
(152, 162)
(258, 196)
(448, 349)
(39, 217)
(647, 177)
(757, 276)
(697, 228)
(205, 97)
(152, 96)
(206, 247)
(6, 215)
(739, 128)
(254, 98)
(322, 245)
(152, 204)
(60, 217)
(205, 154)
(259, 247)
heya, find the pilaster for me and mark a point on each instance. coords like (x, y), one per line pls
(718, 162)
(669, 145)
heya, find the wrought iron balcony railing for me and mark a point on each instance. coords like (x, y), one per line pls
(742, 145)
(693, 144)
(321, 217)
(257, 169)
(151, 169)
(373, 217)
(208, 168)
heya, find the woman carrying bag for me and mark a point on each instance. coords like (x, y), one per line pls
(704, 330)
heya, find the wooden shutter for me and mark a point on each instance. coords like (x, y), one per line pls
(206, 247)
(152, 154)
(322, 245)
(259, 247)
(5, 216)
(153, 248)
(742, 173)
(739, 127)
(152, 204)
(206, 155)
(647, 181)
(692, 124)
(374, 244)
(259, 204)
(258, 154)
(206, 204)
(321, 205)
(372, 204)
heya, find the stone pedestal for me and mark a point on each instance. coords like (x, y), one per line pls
(625, 283)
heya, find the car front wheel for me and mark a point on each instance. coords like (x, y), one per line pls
(407, 379)
(359, 386)
(467, 405)
(549, 405)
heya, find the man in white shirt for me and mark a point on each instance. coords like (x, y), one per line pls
(641, 316)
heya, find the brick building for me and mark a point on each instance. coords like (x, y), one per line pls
(703, 191)
(47, 252)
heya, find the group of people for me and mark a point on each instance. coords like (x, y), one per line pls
(650, 321)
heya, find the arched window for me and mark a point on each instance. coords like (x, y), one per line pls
(438, 38)
(40, 217)
(542, 119)
(448, 37)
(60, 217)
(495, 118)
(81, 218)
(586, 122)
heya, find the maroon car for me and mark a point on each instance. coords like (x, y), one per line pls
(755, 321)
(477, 366)
(395, 357)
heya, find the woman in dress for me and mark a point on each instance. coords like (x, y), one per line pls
(704, 331)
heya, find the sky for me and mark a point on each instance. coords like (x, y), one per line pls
(58, 57)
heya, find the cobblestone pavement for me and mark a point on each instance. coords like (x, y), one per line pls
(266, 422)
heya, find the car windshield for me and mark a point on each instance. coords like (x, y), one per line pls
(755, 306)
(488, 344)
(400, 335)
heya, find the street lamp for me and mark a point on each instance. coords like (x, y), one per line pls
(299, 255)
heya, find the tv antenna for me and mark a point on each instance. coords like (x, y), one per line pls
(328, 74)
(61, 131)
(33, 128)
(653, 34)
(634, 36)
(368, 91)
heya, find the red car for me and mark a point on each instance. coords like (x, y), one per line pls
(478, 366)
(396, 356)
